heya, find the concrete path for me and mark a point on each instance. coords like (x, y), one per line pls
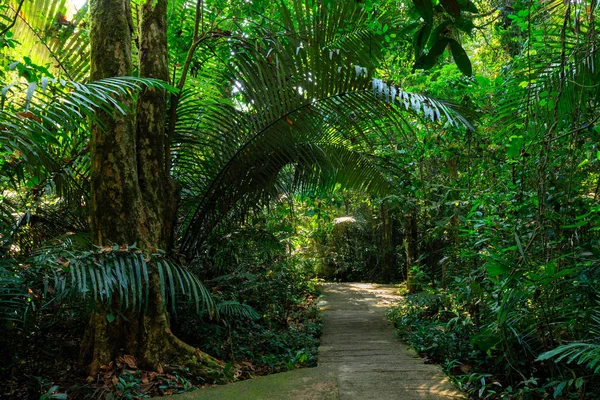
(359, 345)
(359, 358)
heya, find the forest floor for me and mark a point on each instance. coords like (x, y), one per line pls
(359, 357)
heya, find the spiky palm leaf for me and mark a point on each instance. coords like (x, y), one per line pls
(13, 295)
(113, 274)
(234, 310)
(555, 79)
(44, 136)
(587, 354)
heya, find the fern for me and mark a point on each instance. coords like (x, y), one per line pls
(229, 310)
(587, 354)
(13, 295)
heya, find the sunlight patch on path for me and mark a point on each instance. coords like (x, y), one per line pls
(359, 345)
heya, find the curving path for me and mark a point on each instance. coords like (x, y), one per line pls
(359, 358)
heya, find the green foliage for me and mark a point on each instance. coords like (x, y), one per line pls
(284, 115)
(279, 333)
(124, 275)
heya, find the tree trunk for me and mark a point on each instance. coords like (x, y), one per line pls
(133, 196)
(387, 248)
(411, 246)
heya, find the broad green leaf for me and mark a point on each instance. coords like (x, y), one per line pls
(559, 389)
(420, 39)
(430, 59)
(436, 33)
(425, 9)
(460, 57)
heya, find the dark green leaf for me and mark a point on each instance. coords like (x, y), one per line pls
(430, 59)
(452, 7)
(425, 9)
(420, 39)
(460, 57)
(437, 32)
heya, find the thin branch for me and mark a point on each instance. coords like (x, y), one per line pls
(14, 21)
(43, 42)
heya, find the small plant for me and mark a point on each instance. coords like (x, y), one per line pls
(52, 394)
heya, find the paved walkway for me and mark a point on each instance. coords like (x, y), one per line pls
(359, 344)
(359, 358)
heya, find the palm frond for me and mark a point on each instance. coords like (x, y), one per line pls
(586, 354)
(46, 133)
(13, 295)
(233, 310)
(51, 39)
(554, 82)
(305, 99)
(124, 277)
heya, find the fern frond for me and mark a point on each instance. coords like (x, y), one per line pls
(585, 354)
(230, 310)
(13, 295)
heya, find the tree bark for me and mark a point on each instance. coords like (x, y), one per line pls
(133, 196)
(387, 247)
(411, 246)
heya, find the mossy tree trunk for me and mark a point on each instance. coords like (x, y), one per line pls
(133, 198)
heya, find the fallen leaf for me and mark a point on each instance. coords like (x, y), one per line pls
(145, 387)
(130, 361)
(105, 367)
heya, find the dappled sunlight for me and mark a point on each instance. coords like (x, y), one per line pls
(360, 345)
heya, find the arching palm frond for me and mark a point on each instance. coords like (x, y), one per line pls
(555, 80)
(587, 354)
(42, 28)
(109, 275)
(305, 98)
(234, 310)
(44, 137)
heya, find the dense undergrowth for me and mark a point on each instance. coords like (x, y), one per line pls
(276, 330)
(303, 139)
(492, 346)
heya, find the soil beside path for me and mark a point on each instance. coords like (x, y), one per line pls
(359, 358)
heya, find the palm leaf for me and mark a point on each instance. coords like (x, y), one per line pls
(51, 39)
(306, 99)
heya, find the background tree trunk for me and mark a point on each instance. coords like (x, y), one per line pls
(411, 246)
(133, 195)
